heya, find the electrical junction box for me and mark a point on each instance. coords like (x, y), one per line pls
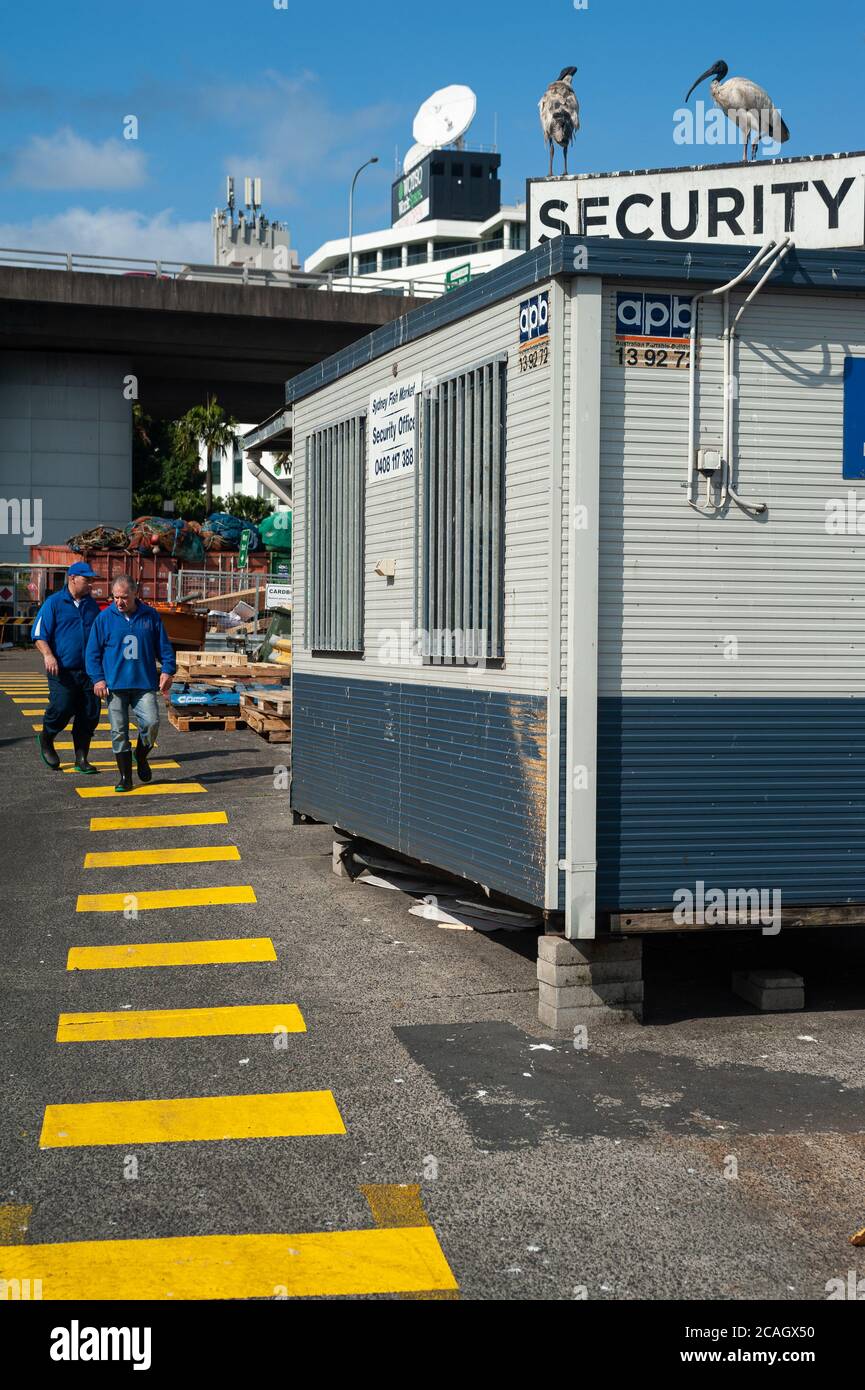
(854, 417)
(708, 460)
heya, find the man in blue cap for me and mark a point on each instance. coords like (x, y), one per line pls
(122, 650)
(60, 630)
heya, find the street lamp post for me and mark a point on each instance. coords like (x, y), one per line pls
(373, 160)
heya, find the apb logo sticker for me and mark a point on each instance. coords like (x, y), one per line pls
(655, 316)
(534, 320)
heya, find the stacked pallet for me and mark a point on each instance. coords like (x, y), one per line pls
(220, 669)
(268, 712)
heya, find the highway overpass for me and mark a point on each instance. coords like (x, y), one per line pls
(71, 340)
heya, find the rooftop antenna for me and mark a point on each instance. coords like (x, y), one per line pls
(229, 193)
(444, 117)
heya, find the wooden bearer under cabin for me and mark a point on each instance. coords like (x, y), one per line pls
(574, 616)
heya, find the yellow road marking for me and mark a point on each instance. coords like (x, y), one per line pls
(283, 1115)
(33, 711)
(31, 698)
(151, 822)
(229, 951)
(159, 789)
(229, 1022)
(14, 1221)
(164, 897)
(97, 743)
(323, 1264)
(39, 727)
(70, 767)
(121, 859)
(397, 1205)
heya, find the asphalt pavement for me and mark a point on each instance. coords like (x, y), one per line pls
(387, 1096)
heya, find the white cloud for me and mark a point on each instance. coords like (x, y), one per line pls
(300, 138)
(113, 232)
(66, 160)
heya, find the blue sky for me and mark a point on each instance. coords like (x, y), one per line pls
(305, 93)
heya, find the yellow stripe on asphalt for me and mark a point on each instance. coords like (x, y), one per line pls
(230, 951)
(283, 1115)
(151, 822)
(97, 743)
(320, 1264)
(159, 789)
(31, 697)
(121, 859)
(164, 897)
(33, 711)
(70, 767)
(230, 1022)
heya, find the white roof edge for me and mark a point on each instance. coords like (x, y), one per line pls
(418, 231)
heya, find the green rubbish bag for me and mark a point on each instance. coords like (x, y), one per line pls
(275, 531)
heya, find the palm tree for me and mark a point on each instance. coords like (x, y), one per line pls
(207, 426)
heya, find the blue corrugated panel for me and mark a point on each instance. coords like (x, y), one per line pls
(454, 777)
(741, 793)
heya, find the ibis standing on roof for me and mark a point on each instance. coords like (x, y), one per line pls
(746, 103)
(560, 114)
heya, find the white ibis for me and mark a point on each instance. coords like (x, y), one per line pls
(560, 114)
(746, 103)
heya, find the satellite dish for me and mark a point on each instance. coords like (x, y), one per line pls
(445, 116)
(414, 156)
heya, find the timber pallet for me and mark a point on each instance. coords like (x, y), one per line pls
(188, 723)
(252, 671)
(268, 702)
(270, 728)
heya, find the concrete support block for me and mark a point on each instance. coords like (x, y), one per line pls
(589, 982)
(773, 991)
(566, 1020)
(601, 972)
(560, 951)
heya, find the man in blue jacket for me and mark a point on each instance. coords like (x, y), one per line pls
(60, 630)
(124, 643)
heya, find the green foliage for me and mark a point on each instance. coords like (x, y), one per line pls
(248, 508)
(208, 426)
(163, 466)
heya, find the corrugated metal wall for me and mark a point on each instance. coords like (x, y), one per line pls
(732, 650)
(447, 763)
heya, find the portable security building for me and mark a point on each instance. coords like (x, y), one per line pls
(579, 577)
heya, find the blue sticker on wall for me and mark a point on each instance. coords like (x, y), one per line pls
(854, 417)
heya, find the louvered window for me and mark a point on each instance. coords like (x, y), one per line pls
(462, 492)
(335, 461)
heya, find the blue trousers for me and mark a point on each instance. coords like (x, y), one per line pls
(70, 696)
(142, 707)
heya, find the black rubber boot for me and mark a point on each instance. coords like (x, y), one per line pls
(141, 752)
(82, 764)
(49, 753)
(124, 763)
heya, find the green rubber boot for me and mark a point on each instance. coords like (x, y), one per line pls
(124, 763)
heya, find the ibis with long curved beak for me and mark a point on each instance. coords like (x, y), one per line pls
(747, 104)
